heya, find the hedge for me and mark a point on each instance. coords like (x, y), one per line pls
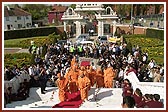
(153, 46)
(17, 59)
(25, 33)
(154, 33)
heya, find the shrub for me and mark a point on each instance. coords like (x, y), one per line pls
(38, 42)
(17, 59)
(153, 46)
(154, 33)
(54, 38)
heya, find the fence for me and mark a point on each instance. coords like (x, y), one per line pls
(155, 20)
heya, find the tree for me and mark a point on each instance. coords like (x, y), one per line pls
(73, 6)
(157, 8)
(38, 11)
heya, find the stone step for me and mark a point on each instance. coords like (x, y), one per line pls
(106, 98)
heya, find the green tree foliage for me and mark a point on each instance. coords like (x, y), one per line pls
(54, 37)
(73, 6)
(38, 11)
(17, 59)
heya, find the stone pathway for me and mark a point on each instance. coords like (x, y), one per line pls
(15, 50)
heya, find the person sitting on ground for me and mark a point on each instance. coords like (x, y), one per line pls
(137, 96)
(143, 102)
(154, 103)
(128, 102)
(124, 83)
(127, 90)
(9, 96)
(22, 92)
(27, 85)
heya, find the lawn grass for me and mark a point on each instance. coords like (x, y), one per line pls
(25, 42)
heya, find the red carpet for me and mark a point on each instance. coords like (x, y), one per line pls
(74, 101)
(85, 63)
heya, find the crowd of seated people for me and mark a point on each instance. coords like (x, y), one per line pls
(135, 99)
(22, 92)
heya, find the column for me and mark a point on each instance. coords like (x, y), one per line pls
(114, 27)
(111, 29)
(78, 28)
(102, 23)
(100, 28)
(83, 28)
(64, 26)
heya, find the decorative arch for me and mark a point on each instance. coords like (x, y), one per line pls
(72, 16)
(109, 11)
(70, 11)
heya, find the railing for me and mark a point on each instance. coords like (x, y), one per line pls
(15, 82)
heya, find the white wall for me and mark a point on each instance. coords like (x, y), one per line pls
(14, 22)
(15, 82)
(147, 87)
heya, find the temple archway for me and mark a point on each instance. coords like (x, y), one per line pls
(101, 20)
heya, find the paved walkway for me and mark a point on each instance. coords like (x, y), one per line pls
(15, 50)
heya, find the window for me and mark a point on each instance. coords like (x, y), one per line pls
(18, 18)
(7, 18)
(27, 17)
(19, 25)
(28, 24)
(108, 11)
(70, 11)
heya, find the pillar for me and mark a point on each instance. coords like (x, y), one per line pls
(114, 27)
(100, 28)
(78, 28)
(64, 26)
(111, 29)
(83, 29)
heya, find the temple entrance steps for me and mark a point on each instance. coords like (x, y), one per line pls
(106, 98)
